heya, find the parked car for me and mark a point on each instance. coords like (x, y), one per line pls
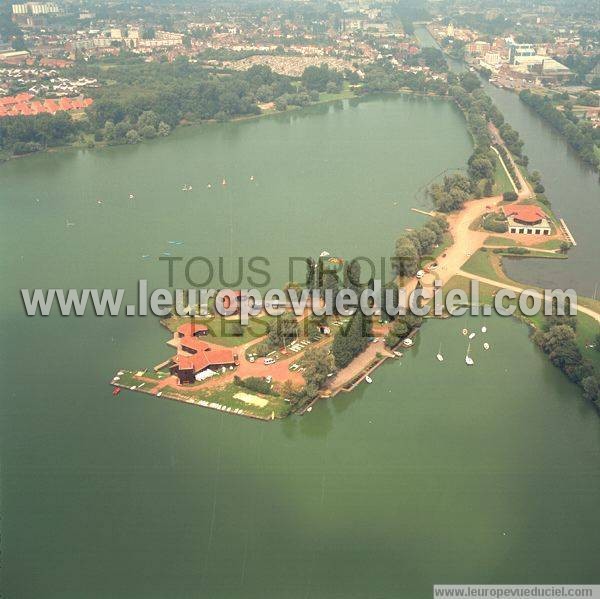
(420, 274)
(269, 361)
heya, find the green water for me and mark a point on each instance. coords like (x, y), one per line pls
(380, 493)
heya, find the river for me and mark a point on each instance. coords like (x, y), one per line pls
(434, 473)
(571, 186)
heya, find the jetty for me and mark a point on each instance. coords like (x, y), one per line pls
(567, 232)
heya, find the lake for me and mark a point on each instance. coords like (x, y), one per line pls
(434, 473)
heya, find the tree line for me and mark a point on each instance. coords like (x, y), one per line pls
(580, 135)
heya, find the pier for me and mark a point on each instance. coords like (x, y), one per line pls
(567, 232)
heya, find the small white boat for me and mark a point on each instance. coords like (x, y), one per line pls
(465, 331)
(486, 346)
(209, 186)
(131, 196)
(324, 254)
(252, 178)
(368, 379)
(471, 335)
(223, 182)
(189, 188)
(398, 354)
(484, 329)
(439, 354)
(184, 188)
(309, 409)
(468, 359)
(407, 342)
(69, 223)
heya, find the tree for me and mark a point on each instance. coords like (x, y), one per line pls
(164, 129)
(318, 363)
(488, 189)
(351, 340)
(132, 136)
(284, 330)
(509, 196)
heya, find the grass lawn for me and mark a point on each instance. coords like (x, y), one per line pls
(486, 292)
(222, 330)
(225, 397)
(501, 181)
(550, 244)
(442, 247)
(479, 264)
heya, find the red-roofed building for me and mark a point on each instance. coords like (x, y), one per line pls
(24, 105)
(527, 219)
(195, 355)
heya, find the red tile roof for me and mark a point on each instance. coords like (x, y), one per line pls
(23, 105)
(195, 354)
(190, 329)
(527, 213)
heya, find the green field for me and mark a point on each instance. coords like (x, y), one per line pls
(501, 181)
(223, 330)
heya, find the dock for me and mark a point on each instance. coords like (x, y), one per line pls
(567, 232)
(430, 213)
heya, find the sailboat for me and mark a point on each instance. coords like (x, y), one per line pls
(439, 354)
(468, 359)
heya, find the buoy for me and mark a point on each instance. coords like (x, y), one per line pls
(465, 331)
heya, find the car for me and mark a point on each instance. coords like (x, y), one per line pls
(433, 267)
(420, 274)
(251, 358)
(269, 379)
(269, 361)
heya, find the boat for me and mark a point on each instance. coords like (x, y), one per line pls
(145, 256)
(252, 178)
(209, 186)
(131, 196)
(398, 354)
(486, 345)
(223, 182)
(471, 335)
(69, 223)
(465, 331)
(116, 390)
(309, 409)
(368, 379)
(484, 329)
(468, 359)
(166, 254)
(439, 354)
(324, 254)
(184, 188)
(407, 342)
(175, 242)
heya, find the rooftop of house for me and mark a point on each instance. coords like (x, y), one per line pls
(526, 213)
